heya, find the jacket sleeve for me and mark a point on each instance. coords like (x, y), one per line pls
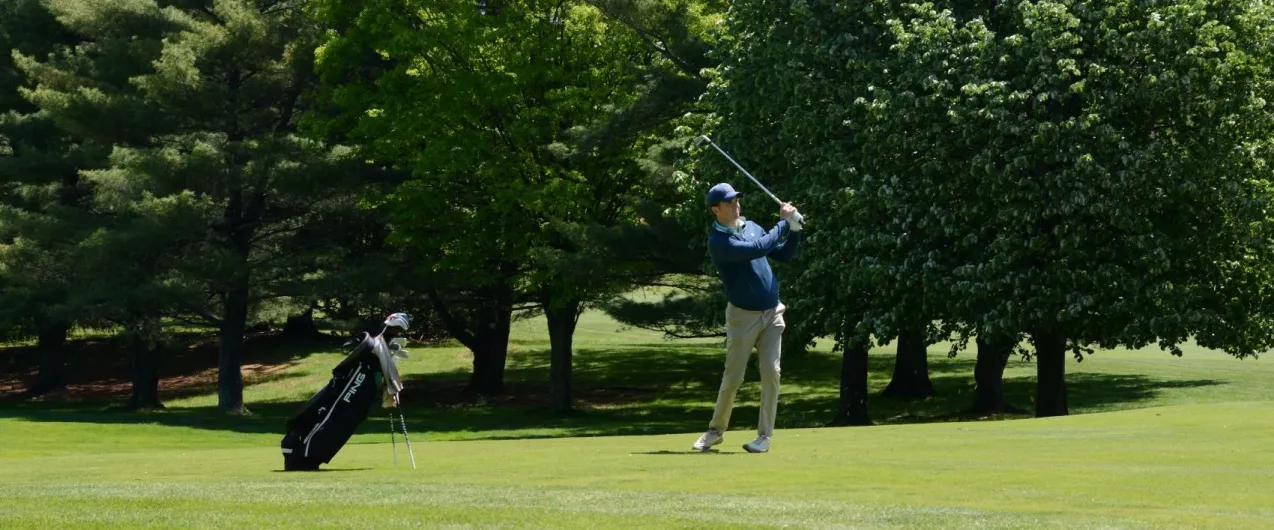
(789, 249)
(731, 250)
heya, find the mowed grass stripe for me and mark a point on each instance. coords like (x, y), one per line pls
(1190, 466)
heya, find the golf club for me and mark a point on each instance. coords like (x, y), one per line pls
(704, 138)
(403, 418)
(391, 436)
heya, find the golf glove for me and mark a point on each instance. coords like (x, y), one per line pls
(795, 224)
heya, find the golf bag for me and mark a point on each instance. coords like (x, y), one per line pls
(329, 419)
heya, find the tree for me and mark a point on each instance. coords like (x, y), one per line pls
(42, 212)
(143, 244)
(678, 36)
(1083, 174)
(207, 116)
(499, 111)
(81, 103)
(1149, 225)
(357, 278)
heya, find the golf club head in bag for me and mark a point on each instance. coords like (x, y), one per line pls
(704, 138)
(392, 350)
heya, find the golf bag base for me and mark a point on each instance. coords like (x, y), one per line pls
(328, 420)
(299, 463)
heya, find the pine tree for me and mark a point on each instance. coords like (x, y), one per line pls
(43, 200)
(203, 128)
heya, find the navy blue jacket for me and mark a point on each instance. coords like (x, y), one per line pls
(740, 259)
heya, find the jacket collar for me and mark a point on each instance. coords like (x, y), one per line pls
(738, 226)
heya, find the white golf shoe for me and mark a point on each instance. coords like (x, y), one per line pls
(760, 445)
(709, 439)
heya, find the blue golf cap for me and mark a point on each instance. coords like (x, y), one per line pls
(721, 193)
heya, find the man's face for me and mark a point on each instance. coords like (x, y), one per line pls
(727, 212)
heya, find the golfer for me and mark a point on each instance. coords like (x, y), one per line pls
(754, 315)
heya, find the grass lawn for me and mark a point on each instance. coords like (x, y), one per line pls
(1154, 442)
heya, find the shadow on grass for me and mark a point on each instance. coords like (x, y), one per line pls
(324, 470)
(100, 370)
(689, 453)
(657, 388)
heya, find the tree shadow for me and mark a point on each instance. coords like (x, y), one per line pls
(640, 390)
(266, 417)
(100, 370)
(689, 453)
(324, 470)
(1087, 392)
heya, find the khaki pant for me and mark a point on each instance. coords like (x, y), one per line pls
(745, 330)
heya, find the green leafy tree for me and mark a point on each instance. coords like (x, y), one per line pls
(1083, 174)
(1149, 224)
(512, 117)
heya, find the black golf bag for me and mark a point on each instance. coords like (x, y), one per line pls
(326, 422)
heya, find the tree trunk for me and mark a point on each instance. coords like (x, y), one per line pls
(301, 327)
(561, 322)
(481, 381)
(485, 333)
(911, 368)
(490, 344)
(1050, 363)
(144, 347)
(988, 374)
(52, 333)
(245, 204)
(52, 346)
(489, 358)
(230, 365)
(853, 386)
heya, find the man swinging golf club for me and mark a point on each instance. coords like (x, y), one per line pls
(754, 315)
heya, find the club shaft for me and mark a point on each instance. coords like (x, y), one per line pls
(745, 172)
(797, 216)
(403, 418)
(392, 436)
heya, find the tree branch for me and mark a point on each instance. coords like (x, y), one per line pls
(647, 37)
(454, 327)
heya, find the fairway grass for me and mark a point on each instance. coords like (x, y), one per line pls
(1189, 466)
(1154, 441)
